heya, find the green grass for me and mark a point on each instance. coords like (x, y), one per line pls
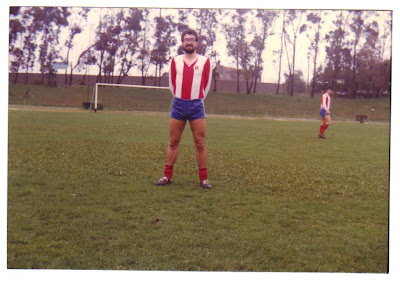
(219, 103)
(81, 195)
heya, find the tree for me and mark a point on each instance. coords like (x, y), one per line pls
(107, 43)
(24, 31)
(17, 29)
(315, 19)
(250, 55)
(384, 65)
(266, 19)
(164, 41)
(337, 53)
(74, 28)
(368, 61)
(215, 74)
(182, 25)
(293, 20)
(385, 38)
(357, 28)
(360, 29)
(235, 35)
(246, 62)
(114, 33)
(207, 23)
(144, 45)
(130, 41)
(183, 18)
(280, 52)
(85, 59)
(296, 82)
(100, 46)
(48, 21)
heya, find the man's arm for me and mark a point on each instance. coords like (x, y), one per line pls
(207, 75)
(325, 103)
(172, 76)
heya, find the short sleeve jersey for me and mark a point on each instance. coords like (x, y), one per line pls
(325, 101)
(190, 81)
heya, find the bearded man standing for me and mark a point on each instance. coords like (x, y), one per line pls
(189, 81)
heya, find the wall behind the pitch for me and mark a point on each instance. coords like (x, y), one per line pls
(79, 79)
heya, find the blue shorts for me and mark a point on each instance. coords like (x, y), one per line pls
(322, 112)
(187, 109)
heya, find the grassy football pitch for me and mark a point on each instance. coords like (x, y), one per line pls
(81, 195)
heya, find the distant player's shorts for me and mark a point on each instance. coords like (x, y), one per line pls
(322, 112)
(187, 109)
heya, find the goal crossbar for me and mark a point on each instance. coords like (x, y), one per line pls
(121, 85)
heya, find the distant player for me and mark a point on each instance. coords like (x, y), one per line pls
(189, 81)
(325, 113)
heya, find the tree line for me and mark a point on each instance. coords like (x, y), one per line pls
(354, 46)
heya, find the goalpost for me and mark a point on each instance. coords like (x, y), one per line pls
(95, 98)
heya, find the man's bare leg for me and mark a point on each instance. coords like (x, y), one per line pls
(198, 127)
(176, 128)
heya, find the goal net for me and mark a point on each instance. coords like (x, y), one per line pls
(131, 97)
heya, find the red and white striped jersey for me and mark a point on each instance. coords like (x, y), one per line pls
(190, 81)
(325, 101)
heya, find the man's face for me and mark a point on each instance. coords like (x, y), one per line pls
(329, 91)
(189, 43)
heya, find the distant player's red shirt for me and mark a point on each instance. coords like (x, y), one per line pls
(190, 81)
(325, 101)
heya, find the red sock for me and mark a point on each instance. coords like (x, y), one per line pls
(324, 128)
(203, 174)
(321, 129)
(168, 171)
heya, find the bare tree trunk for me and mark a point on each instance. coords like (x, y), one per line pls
(314, 74)
(26, 77)
(16, 77)
(70, 77)
(237, 77)
(293, 63)
(280, 55)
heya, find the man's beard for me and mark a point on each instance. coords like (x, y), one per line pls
(189, 51)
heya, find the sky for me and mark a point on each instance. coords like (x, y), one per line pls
(304, 4)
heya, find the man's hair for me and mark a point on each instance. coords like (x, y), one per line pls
(191, 32)
(329, 88)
